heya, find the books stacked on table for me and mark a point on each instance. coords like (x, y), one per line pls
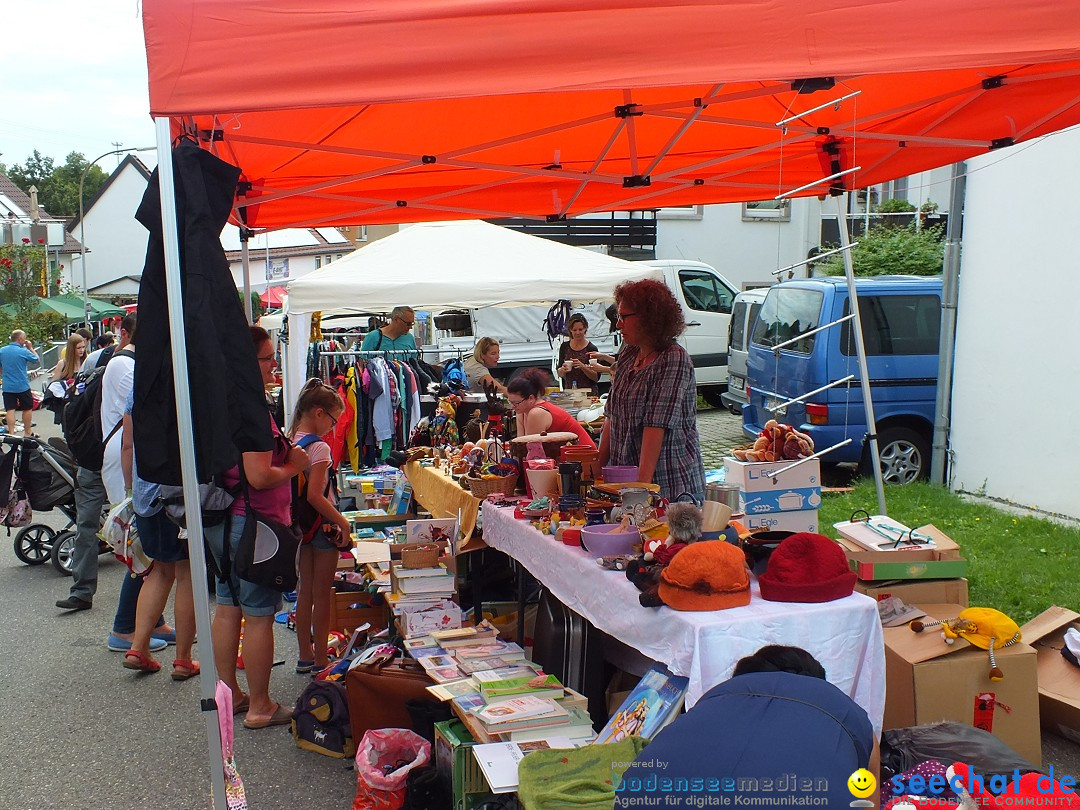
(440, 668)
(421, 583)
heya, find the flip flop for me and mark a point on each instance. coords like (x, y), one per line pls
(183, 669)
(280, 717)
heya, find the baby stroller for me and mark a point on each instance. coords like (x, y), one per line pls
(46, 473)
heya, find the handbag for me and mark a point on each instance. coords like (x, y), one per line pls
(268, 553)
(379, 689)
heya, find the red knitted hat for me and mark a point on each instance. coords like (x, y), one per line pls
(807, 567)
(708, 575)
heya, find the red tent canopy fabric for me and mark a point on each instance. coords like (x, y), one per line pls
(273, 297)
(383, 111)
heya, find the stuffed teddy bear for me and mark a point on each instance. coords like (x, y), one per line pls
(684, 527)
(985, 628)
(777, 442)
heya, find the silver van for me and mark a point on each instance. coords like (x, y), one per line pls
(744, 312)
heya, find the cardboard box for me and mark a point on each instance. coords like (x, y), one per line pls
(444, 616)
(780, 500)
(944, 562)
(918, 591)
(345, 616)
(759, 476)
(928, 681)
(1059, 681)
(802, 521)
(456, 765)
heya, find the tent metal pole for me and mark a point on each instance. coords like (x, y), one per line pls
(860, 350)
(947, 342)
(244, 258)
(208, 678)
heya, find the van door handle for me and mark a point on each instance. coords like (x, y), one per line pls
(694, 323)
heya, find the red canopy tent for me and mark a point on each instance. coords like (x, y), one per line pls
(273, 297)
(366, 111)
(390, 111)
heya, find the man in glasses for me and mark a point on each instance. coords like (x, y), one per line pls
(395, 336)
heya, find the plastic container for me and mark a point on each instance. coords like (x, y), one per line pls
(620, 475)
(606, 540)
(543, 482)
(572, 537)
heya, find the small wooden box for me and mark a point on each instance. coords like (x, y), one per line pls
(345, 618)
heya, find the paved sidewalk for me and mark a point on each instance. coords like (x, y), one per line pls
(719, 431)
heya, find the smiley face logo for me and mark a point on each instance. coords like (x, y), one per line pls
(862, 783)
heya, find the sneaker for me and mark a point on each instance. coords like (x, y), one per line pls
(117, 644)
(74, 603)
(304, 667)
(168, 638)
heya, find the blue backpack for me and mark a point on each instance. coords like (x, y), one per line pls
(454, 375)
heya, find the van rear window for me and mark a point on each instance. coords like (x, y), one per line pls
(738, 326)
(895, 325)
(787, 313)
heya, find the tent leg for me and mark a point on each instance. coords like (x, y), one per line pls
(860, 350)
(247, 275)
(208, 678)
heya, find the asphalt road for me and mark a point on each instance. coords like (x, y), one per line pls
(80, 731)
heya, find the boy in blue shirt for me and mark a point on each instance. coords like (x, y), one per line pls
(16, 358)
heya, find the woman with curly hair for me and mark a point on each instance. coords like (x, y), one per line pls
(652, 408)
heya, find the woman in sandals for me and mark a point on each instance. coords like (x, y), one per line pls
(324, 529)
(269, 477)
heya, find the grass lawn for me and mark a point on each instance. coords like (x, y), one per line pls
(1019, 565)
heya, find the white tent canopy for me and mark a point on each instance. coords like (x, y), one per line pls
(461, 265)
(448, 265)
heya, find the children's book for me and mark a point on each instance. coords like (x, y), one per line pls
(652, 704)
(431, 530)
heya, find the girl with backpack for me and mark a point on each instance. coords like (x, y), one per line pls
(324, 529)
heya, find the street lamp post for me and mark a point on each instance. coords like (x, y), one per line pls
(82, 223)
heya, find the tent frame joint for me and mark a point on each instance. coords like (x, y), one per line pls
(812, 85)
(1001, 143)
(628, 110)
(993, 83)
(211, 135)
(636, 181)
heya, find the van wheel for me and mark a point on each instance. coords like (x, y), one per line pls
(712, 396)
(905, 456)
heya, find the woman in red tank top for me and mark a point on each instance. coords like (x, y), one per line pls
(538, 416)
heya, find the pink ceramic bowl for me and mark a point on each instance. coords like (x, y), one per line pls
(605, 539)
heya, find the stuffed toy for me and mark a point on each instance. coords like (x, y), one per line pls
(684, 521)
(777, 442)
(985, 628)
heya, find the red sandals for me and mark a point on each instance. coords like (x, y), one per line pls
(134, 659)
(183, 669)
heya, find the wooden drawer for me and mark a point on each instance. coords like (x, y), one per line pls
(346, 619)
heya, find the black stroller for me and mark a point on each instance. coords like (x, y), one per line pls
(46, 473)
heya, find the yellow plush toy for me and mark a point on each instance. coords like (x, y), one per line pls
(985, 628)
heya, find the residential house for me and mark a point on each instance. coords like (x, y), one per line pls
(115, 241)
(19, 220)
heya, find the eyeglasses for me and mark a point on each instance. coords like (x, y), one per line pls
(515, 404)
(624, 315)
(333, 419)
(268, 359)
(408, 323)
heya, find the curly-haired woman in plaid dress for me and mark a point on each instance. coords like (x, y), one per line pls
(652, 407)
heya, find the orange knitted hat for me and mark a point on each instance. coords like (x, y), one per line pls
(709, 575)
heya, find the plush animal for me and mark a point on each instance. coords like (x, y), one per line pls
(777, 442)
(985, 628)
(684, 522)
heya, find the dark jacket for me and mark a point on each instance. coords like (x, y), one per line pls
(225, 384)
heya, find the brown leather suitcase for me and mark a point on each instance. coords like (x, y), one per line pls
(377, 693)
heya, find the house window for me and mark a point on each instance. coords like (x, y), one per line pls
(681, 212)
(318, 262)
(327, 258)
(361, 235)
(776, 210)
(339, 255)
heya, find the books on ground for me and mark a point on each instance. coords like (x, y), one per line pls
(652, 704)
(540, 685)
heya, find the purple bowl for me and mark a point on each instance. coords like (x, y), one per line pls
(605, 540)
(620, 475)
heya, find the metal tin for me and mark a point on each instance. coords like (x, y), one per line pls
(727, 494)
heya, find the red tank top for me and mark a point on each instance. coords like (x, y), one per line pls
(561, 421)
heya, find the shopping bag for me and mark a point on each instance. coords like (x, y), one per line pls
(235, 797)
(384, 761)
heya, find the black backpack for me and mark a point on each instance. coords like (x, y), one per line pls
(81, 420)
(321, 720)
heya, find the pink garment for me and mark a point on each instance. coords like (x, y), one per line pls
(275, 503)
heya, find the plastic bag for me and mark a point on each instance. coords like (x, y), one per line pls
(904, 748)
(384, 761)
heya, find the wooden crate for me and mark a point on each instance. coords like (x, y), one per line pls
(346, 619)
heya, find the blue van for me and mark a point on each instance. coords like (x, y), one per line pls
(901, 321)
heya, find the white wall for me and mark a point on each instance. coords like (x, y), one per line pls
(1017, 377)
(741, 251)
(115, 242)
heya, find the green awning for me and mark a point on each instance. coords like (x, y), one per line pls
(69, 312)
(99, 309)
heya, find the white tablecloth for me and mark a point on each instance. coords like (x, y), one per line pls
(844, 635)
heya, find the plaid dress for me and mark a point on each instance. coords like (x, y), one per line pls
(664, 395)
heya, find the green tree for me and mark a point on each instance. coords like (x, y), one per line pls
(887, 250)
(24, 272)
(58, 186)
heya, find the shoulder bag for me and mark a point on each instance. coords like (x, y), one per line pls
(268, 553)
